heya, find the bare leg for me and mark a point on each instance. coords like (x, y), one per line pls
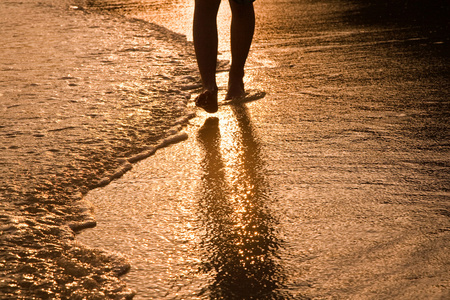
(206, 44)
(242, 29)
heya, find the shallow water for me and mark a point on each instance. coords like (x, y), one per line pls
(79, 94)
(331, 186)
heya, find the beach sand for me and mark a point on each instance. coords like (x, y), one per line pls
(334, 185)
(80, 93)
(331, 184)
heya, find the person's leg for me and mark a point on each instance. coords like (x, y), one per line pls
(242, 29)
(206, 44)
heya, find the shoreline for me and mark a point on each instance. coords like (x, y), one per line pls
(343, 160)
(72, 98)
(353, 188)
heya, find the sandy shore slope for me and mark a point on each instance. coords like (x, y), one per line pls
(79, 94)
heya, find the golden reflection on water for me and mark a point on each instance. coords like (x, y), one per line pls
(240, 241)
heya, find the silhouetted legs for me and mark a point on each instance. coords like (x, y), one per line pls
(242, 29)
(206, 40)
(206, 45)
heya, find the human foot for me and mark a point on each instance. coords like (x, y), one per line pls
(235, 93)
(235, 89)
(208, 101)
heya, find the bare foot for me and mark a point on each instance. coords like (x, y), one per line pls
(208, 101)
(235, 90)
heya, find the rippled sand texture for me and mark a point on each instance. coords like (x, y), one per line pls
(356, 126)
(78, 92)
(332, 186)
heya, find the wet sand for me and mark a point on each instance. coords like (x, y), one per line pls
(80, 93)
(332, 186)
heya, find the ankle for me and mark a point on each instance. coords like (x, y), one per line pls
(211, 88)
(236, 74)
(236, 82)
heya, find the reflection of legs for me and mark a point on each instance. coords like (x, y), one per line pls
(206, 44)
(242, 29)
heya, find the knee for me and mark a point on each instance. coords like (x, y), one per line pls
(242, 10)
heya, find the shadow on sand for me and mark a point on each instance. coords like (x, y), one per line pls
(240, 240)
(423, 13)
(252, 95)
